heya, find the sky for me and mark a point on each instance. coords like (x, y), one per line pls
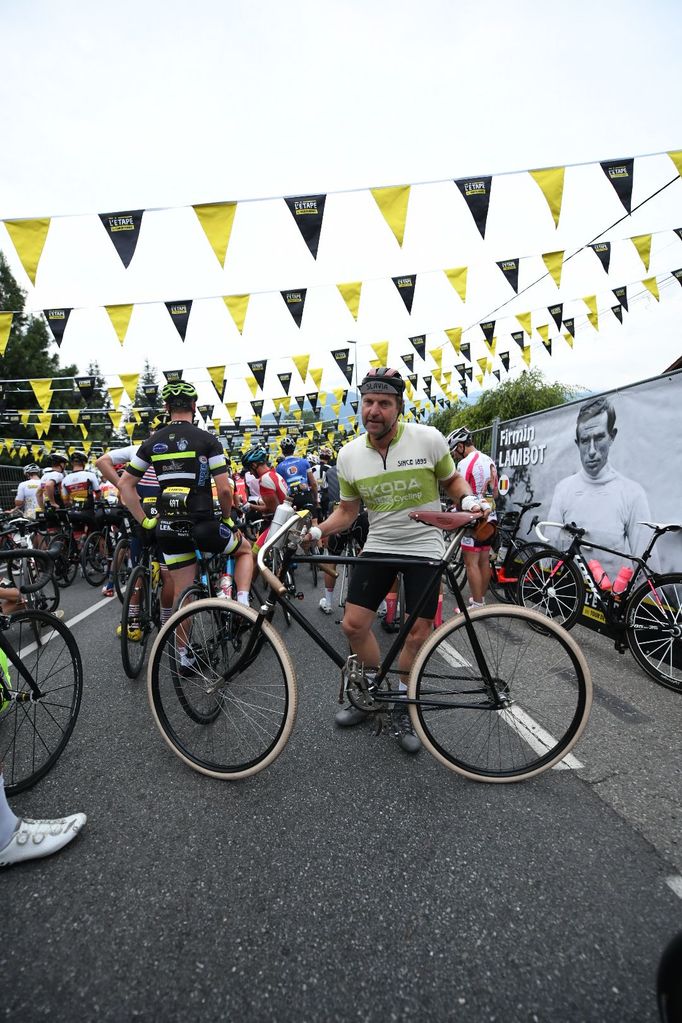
(161, 105)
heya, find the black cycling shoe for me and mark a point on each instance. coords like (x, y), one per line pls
(402, 729)
(349, 716)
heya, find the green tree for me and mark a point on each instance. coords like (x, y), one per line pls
(27, 357)
(527, 393)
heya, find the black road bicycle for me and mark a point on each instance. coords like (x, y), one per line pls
(489, 697)
(647, 614)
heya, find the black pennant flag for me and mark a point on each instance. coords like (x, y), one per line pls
(204, 411)
(257, 407)
(285, 381)
(603, 250)
(419, 344)
(86, 419)
(548, 345)
(86, 387)
(295, 301)
(518, 336)
(464, 389)
(340, 356)
(476, 192)
(557, 312)
(308, 211)
(678, 232)
(349, 378)
(504, 359)
(354, 406)
(408, 360)
(488, 329)
(237, 422)
(426, 386)
(258, 370)
(406, 285)
(510, 269)
(412, 377)
(469, 372)
(172, 375)
(496, 373)
(465, 350)
(622, 295)
(150, 391)
(460, 367)
(677, 274)
(619, 173)
(312, 398)
(124, 231)
(617, 311)
(179, 314)
(56, 321)
(299, 399)
(570, 326)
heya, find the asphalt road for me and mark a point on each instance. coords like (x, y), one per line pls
(348, 881)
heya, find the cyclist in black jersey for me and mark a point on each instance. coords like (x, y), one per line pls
(185, 459)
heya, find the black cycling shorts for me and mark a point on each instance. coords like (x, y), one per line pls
(357, 532)
(369, 584)
(179, 542)
(302, 500)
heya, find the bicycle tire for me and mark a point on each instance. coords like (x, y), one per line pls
(133, 651)
(514, 564)
(456, 570)
(47, 598)
(121, 566)
(34, 733)
(190, 593)
(64, 568)
(553, 587)
(248, 703)
(544, 679)
(654, 629)
(94, 560)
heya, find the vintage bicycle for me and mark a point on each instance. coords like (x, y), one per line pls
(489, 697)
(646, 612)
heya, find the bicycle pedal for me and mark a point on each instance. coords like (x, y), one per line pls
(300, 596)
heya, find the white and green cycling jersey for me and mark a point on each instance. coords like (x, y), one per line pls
(417, 461)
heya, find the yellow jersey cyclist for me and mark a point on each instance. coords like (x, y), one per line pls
(394, 468)
(185, 459)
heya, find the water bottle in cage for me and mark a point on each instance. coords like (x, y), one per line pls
(600, 576)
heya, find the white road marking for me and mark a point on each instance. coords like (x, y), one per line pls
(675, 884)
(522, 723)
(72, 621)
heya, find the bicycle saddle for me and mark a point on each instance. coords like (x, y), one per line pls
(445, 520)
(662, 527)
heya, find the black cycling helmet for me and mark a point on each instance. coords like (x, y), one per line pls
(288, 445)
(32, 470)
(179, 393)
(58, 456)
(79, 456)
(256, 455)
(382, 379)
(462, 435)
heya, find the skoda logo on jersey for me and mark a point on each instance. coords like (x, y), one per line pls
(182, 444)
(159, 449)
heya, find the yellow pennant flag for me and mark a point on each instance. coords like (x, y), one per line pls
(568, 339)
(455, 338)
(36, 452)
(86, 446)
(116, 394)
(543, 331)
(129, 427)
(651, 284)
(217, 375)
(551, 184)
(437, 356)
(318, 427)
(322, 395)
(45, 420)
(554, 262)
(43, 392)
(28, 238)
(336, 408)
(482, 363)
(5, 327)
(393, 204)
(380, 349)
(216, 423)
(23, 451)
(591, 303)
(84, 429)
(136, 416)
(301, 364)
(252, 384)
(115, 419)
(438, 376)
(525, 354)
(130, 382)
(642, 243)
(458, 279)
(217, 218)
(286, 402)
(48, 445)
(350, 293)
(526, 322)
(316, 374)
(479, 379)
(297, 414)
(231, 409)
(237, 306)
(594, 320)
(73, 415)
(25, 416)
(375, 363)
(489, 366)
(410, 389)
(676, 158)
(491, 346)
(120, 318)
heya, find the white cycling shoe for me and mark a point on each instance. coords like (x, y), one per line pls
(34, 839)
(325, 608)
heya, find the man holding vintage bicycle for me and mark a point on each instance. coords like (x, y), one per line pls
(395, 468)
